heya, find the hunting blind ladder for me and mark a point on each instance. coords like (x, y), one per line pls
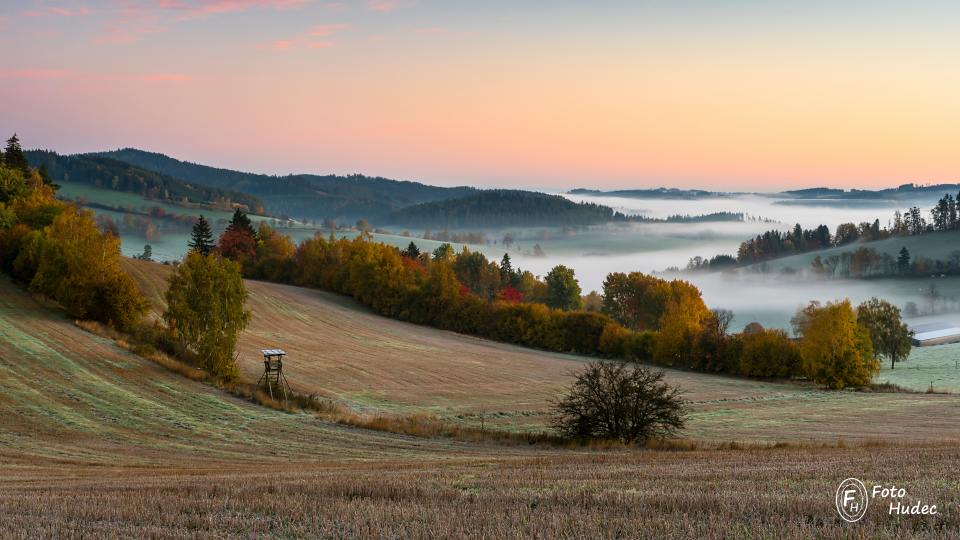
(273, 372)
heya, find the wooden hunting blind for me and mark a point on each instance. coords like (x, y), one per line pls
(273, 372)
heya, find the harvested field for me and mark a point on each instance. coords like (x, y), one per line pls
(341, 350)
(97, 442)
(784, 493)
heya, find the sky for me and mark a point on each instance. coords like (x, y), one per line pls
(724, 95)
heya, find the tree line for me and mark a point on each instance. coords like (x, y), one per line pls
(776, 243)
(639, 317)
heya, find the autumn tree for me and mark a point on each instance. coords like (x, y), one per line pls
(239, 242)
(443, 252)
(835, 349)
(767, 353)
(616, 401)
(79, 267)
(273, 255)
(201, 237)
(563, 290)
(683, 320)
(205, 311)
(13, 184)
(889, 335)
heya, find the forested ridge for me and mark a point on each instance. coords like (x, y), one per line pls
(301, 195)
(504, 208)
(119, 176)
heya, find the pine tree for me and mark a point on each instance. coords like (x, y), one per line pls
(241, 223)
(506, 269)
(412, 251)
(201, 238)
(13, 155)
(45, 176)
(903, 261)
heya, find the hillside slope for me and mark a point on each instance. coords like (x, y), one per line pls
(301, 195)
(103, 172)
(95, 442)
(72, 397)
(339, 349)
(937, 245)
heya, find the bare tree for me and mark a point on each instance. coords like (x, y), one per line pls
(617, 401)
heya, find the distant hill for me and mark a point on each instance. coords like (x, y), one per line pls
(657, 193)
(504, 208)
(302, 195)
(905, 191)
(120, 176)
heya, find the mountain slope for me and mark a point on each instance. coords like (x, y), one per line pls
(301, 195)
(117, 175)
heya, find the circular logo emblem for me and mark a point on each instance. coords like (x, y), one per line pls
(852, 500)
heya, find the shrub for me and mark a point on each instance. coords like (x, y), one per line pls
(611, 400)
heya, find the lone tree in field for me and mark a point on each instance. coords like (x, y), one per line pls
(888, 334)
(201, 237)
(205, 311)
(616, 401)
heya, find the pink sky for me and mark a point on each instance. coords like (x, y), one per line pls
(610, 95)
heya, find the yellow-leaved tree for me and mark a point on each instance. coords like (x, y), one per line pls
(205, 311)
(79, 267)
(835, 350)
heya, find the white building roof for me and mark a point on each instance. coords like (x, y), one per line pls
(937, 334)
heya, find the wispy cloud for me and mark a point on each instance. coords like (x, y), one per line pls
(315, 38)
(382, 6)
(131, 20)
(57, 11)
(199, 8)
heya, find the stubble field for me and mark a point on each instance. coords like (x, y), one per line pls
(95, 441)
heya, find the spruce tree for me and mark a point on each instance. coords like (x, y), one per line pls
(903, 261)
(240, 222)
(201, 238)
(412, 251)
(45, 176)
(13, 155)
